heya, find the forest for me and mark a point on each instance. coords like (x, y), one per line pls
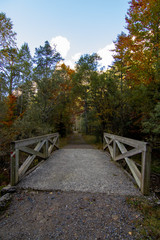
(41, 95)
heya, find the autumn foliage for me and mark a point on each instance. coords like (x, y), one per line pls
(11, 103)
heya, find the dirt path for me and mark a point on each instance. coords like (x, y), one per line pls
(79, 193)
(76, 141)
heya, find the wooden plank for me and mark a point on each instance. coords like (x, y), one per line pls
(114, 150)
(104, 148)
(52, 146)
(30, 141)
(128, 141)
(46, 149)
(110, 150)
(13, 154)
(146, 168)
(16, 165)
(12, 177)
(128, 154)
(134, 170)
(56, 146)
(50, 140)
(21, 145)
(31, 151)
(106, 139)
(110, 141)
(29, 160)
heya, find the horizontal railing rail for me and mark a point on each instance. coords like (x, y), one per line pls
(117, 147)
(43, 149)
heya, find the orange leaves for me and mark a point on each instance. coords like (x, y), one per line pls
(11, 109)
(136, 54)
(67, 69)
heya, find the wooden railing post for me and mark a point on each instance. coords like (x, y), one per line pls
(146, 168)
(12, 173)
(14, 167)
(58, 141)
(46, 149)
(115, 149)
(118, 150)
(26, 146)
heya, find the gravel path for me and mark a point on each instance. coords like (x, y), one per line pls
(86, 170)
(68, 216)
(78, 193)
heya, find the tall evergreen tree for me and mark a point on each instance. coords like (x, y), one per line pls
(8, 56)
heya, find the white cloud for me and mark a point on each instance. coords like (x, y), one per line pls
(76, 56)
(72, 61)
(62, 45)
(106, 55)
(69, 63)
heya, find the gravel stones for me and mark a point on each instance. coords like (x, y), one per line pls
(86, 170)
(68, 215)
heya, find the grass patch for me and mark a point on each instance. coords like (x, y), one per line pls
(91, 139)
(150, 226)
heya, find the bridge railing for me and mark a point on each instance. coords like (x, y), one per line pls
(123, 148)
(41, 146)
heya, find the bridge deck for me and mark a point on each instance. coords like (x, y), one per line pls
(80, 167)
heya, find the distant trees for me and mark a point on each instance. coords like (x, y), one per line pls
(85, 68)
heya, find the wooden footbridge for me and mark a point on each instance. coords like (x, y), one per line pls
(82, 168)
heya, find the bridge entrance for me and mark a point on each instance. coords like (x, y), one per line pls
(79, 167)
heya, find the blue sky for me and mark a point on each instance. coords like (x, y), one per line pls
(75, 26)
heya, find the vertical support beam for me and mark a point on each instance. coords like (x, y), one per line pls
(16, 166)
(57, 141)
(103, 141)
(146, 169)
(46, 149)
(114, 149)
(12, 173)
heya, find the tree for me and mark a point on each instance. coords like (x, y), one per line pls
(45, 59)
(137, 63)
(64, 110)
(7, 55)
(24, 66)
(7, 36)
(143, 20)
(151, 125)
(86, 65)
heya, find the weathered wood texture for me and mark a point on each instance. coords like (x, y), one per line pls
(118, 151)
(45, 143)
